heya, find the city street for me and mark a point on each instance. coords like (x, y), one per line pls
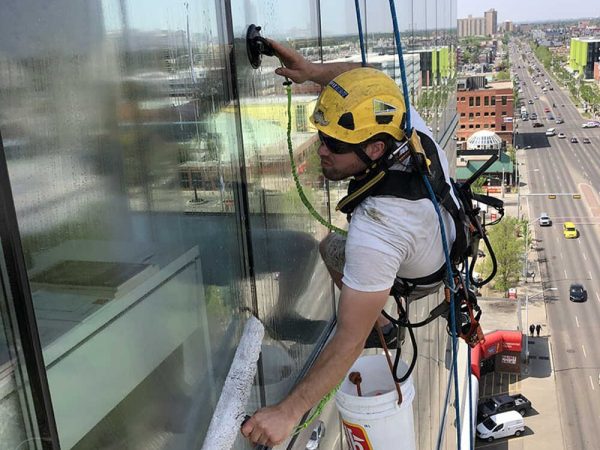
(556, 169)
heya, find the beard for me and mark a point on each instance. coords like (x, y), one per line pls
(333, 174)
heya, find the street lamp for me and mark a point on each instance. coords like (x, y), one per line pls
(527, 297)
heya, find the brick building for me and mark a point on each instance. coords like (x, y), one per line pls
(488, 108)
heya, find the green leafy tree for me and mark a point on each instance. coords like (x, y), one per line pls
(507, 241)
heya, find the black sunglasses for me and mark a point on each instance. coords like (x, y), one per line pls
(335, 146)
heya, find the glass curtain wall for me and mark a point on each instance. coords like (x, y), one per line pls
(126, 178)
(153, 187)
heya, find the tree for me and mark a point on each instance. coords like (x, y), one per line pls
(506, 240)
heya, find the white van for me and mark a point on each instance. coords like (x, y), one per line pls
(508, 423)
(550, 131)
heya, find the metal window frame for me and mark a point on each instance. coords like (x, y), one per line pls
(18, 287)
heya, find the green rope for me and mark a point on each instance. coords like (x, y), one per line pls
(317, 411)
(288, 87)
(303, 197)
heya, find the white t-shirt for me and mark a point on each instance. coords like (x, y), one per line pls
(390, 237)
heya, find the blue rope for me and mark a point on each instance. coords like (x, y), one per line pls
(408, 130)
(452, 312)
(361, 39)
(402, 67)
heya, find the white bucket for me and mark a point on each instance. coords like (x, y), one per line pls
(375, 421)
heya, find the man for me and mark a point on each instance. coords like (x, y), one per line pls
(360, 114)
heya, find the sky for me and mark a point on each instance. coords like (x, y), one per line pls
(530, 10)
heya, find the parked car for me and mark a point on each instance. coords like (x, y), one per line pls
(562, 135)
(577, 293)
(559, 120)
(545, 220)
(569, 230)
(591, 124)
(574, 140)
(551, 132)
(537, 124)
(501, 425)
(315, 437)
(546, 109)
(586, 140)
(502, 403)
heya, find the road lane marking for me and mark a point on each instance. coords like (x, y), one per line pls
(566, 276)
(584, 353)
(598, 296)
(592, 384)
(584, 257)
(561, 254)
(577, 321)
(590, 274)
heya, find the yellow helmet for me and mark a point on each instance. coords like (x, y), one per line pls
(359, 104)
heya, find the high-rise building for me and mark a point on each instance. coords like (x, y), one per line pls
(491, 22)
(471, 26)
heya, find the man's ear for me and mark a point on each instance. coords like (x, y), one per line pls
(375, 150)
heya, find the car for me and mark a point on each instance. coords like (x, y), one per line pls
(546, 109)
(574, 140)
(509, 423)
(537, 124)
(530, 101)
(535, 97)
(586, 140)
(315, 437)
(562, 135)
(502, 403)
(533, 116)
(551, 88)
(545, 220)
(577, 293)
(569, 230)
(551, 132)
(590, 124)
(559, 120)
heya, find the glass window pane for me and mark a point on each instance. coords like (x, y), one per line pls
(123, 155)
(293, 288)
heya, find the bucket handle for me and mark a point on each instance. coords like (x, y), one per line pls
(389, 361)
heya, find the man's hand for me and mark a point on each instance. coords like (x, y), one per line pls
(296, 67)
(299, 69)
(270, 426)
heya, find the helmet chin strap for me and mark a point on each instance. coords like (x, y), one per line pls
(358, 150)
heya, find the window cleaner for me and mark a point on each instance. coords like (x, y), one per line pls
(462, 315)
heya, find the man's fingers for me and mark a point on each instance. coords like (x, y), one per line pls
(294, 75)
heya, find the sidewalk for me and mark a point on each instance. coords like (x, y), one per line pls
(536, 381)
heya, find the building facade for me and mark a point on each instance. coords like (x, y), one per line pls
(584, 52)
(489, 108)
(148, 208)
(491, 22)
(471, 26)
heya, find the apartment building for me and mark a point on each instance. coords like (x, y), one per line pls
(488, 108)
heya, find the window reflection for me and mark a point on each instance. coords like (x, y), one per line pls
(124, 168)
